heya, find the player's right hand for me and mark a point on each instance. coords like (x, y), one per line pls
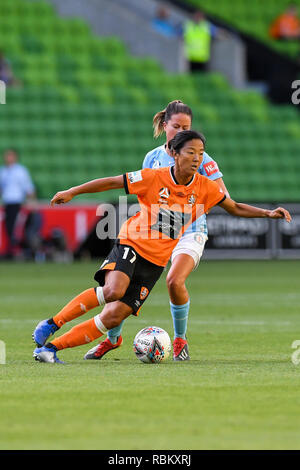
(62, 197)
(280, 213)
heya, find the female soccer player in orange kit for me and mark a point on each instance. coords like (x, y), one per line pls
(185, 258)
(144, 244)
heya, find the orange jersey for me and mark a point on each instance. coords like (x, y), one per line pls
(167, 210)
(285, 25)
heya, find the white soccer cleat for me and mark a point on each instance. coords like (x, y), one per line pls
(45, 354)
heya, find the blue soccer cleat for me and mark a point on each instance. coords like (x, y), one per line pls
(42, 332)
(46, 354)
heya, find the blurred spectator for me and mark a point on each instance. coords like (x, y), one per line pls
(56, 247)
(163, 24)
(15, 187)
(6, 73)
(33, 243)
(287, 25)
(198, 33)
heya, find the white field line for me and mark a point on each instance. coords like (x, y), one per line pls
(226, 322)
(161, 298)
(164, 320)
(215, 298)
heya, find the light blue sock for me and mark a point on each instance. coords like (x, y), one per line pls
(180, 315)
(115, 332)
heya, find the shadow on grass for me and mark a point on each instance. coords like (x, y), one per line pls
(106, 362)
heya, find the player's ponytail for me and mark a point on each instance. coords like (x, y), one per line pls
(174, 107)
(158, 122)
(176, 144)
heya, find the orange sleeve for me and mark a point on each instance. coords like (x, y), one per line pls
(215, 194)
(138, 182)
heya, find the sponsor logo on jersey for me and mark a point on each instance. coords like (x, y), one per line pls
(164, 195)
(211, 168)
(170, 222)
(164, 192)
(144, 293)
(135, 176)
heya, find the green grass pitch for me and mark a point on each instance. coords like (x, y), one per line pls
(239, 391)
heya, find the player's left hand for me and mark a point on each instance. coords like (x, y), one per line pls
(62, 197)
(280, 213)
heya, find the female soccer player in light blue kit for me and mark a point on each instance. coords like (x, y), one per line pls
(185, 258)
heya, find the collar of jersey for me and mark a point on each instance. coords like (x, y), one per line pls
(174, 179)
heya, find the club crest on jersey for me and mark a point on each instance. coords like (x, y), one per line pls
(156, 164)
(192, 199)
(144, 293)
(200, 238)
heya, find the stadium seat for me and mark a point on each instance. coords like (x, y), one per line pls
(86, 109)
(253, 18)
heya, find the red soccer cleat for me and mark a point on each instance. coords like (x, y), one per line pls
(180, 350)
(98, 351)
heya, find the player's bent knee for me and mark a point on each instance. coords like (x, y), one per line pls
(113, 293)
(175, 283)
(114, 319)
(112, 316)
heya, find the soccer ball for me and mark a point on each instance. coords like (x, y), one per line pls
(152, 345)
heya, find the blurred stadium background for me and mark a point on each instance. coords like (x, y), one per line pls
(91, 74)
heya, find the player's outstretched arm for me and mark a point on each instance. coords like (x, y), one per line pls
(221, 183)
(94, 186)
(245, 210)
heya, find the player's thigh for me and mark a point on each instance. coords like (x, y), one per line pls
(145, 276)
(191, 244)
(117, 270)
(182, 266)
(116, 282)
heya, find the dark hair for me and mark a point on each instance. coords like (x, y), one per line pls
(174, 107)
(182, 137)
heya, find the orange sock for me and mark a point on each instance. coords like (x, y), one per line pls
(80, 334)
(76, 307)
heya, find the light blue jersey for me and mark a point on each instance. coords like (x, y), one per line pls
(159, 158)
(15, 183)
